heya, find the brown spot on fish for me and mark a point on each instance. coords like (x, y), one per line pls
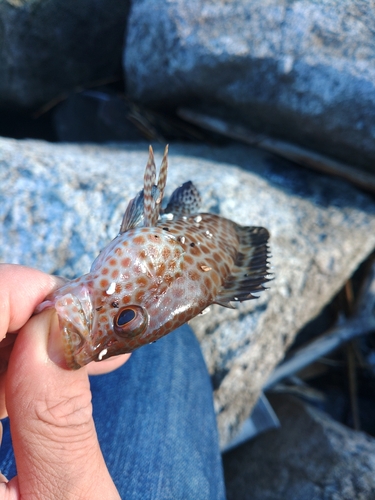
(215, 278)
(216, 256)
(176, 253)
(168, 279)
(208, 282)
(172, 265)
(196, 251)
(193, 275)
(188, 259)
(104, 284)
(166, 253)
(142, 281)
(179, 293)
(139, 296)
(160, 270)
(139, 240)
(205, 249)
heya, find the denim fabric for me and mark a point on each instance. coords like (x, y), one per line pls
(156, 424)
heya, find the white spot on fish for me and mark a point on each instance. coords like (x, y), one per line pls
(183, 239)
(205, 311)
(208, 234)
(198, 219)
(167, 217)
(102, 354)
(111, 289)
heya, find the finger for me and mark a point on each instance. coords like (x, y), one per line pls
(107, 365)
(21, 290)
(54, 438)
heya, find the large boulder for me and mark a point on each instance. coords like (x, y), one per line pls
(48, 48)
(299, 70)
(61, 203)
(309, 457)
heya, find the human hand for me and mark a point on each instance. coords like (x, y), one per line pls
(53, 433)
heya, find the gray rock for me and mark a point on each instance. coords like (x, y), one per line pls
(61, 203)
(48, 48)
(302, 71)
(310, 458)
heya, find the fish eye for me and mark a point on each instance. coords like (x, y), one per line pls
(125, 316)
(130, 321)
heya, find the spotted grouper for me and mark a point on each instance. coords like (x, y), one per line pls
(163, 269)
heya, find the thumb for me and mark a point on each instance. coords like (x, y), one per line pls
(53, 433)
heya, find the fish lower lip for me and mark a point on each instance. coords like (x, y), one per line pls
(85, 354)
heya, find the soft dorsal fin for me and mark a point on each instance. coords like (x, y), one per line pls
(251, 270)
(184, 200)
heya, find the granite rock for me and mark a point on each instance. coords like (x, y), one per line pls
(300, 70)
(61, 203)
(310, 457)
(48, 48)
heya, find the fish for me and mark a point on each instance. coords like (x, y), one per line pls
(165, 266)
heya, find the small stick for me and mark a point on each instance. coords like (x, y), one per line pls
(352, 377)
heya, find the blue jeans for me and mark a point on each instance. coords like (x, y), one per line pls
(156, 424)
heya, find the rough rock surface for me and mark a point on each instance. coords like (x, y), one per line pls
(61, 203)
(300, 70)
(49, 47)
(310, 457)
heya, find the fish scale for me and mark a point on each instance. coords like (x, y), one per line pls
(163, 269)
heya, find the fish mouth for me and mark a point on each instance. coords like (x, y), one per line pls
(78, 351)
(83, 352)
(74, 310)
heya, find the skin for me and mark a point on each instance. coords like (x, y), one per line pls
(54, 438)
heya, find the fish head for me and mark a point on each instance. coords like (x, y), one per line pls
(93, 334)
(124, 302)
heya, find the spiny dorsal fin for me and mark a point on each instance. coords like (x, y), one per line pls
(152, 204)
(144, 209)
(148, 182)
(251, 270)
(162, 181)
(133, 215)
